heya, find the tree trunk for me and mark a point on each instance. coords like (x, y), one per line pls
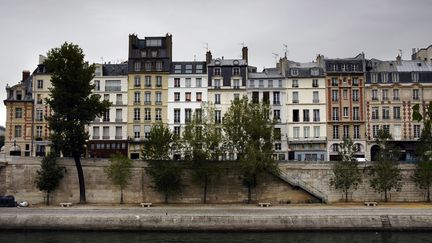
(80, 179)
(121, 195)
(205, 189)
(47, 198)
(385, 196)
(428, 194)
(346, 196)
(166, 197)
(249, 193)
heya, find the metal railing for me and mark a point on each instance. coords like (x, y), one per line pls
(303, 185)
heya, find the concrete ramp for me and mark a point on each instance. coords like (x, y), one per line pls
(296, 182)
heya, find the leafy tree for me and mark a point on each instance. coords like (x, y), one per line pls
(250, 133)
(49, 176)
(346, 172)
(166, 174)
(72, 103)
(120, 172)
(386, 175)
(423, 173)
(202, 141)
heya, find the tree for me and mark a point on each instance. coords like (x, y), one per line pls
(250, 134)
(202, 140)
(346, 172)
(423, 173)
(386, 175)
(49, 176)
(119, 172)
(166, 174)
(72, 103)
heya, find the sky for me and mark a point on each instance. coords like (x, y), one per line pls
(334, 28)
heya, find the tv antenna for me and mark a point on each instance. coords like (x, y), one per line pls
(286, 50)
(276, 56)
(400, 53)
(206, 46)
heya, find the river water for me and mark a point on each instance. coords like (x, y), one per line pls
(291, 237)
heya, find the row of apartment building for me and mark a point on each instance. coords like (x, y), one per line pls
(315, 104)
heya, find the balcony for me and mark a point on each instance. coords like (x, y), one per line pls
(118, 137)
(112, 88)
(216, 87)
(315, 100)
(105, 137)
(236, 87)
(158, 102)
(295, 101)
(95, 137)
(307, 140)
(119, 119)
(119, 102)
(276, 102)
(147, 102)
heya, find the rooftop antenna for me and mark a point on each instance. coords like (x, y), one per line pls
(194, 58)
(400, 53)
(206, 46)
(276, 56)
(286, 50)
(243, 44)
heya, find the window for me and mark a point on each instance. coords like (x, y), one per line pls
(105, 133)
(39, 115)
(296, 132)
(217, 99)
(416, 94)
(355, 95)
(395, 77)
(18, 131)
(176, 115)
(335, 82)
(137, 131)
(315, 72)
(278, 146)
(177, 96)
(158, 114)
(356, 131)
(148, 81)
(236, 71)
(198, 115)
(276, 98)
(375, 113)
(306, 132)
(148, 66)
(346, 131)
(316, 115)
(261, 83)
(315, 83)
(38, 131)
(18, 95)
(270, 83)
(384, 77)
(112, 85)
(335, 95)
(147, 98)
(335, 114)
(396, 94)
(375, 129)
(416, 131)
(137, 66)
(118, 132)
(345, 112)
(158, 98)
(158, 66)
(236, 96)
(280, 83)
(18, 112)
(137, 97)
(199, 68)
(276, 115)
(252, 83)
(295, 98)
(217, 83)
(176, 82)
(198, 96)
(177, 68)
(198, 82)
(316, 131)
(385, 94)
(188, 96)
(386, 113)
(315, 97)
(137, 81)
(177, 131)
(386, 128)
(97, 85)
(236, 83)
(294, 72)
(158, 81)
(188, 82)
(40, 84)
(154, 53)
(374, 94)
(217, 71)
(335, 132)
(345, 94)
(218, 117)
(147, 130)
(255, 97)
(95, 132)
(119, 115)
(153, 42)
(39, 99)
(306, 115)
(295, 83)
(188, 115)
(415, 76)
(296, 116)
(106, 97)
(137, 114)
(374, 77)
(335, 147)
(396, 112)
(106, 116)
(356, 113)
(188, 68)
(147, 114)
(355, 81)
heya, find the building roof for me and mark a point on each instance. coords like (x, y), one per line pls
(115, 69)
(227, 62)
(193, 64)
(400, 66)
(268, 73)
(304, 69)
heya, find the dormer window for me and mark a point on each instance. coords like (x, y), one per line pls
(314, 71)
(153, 42)
(19, 95)
(217, 71)
(374, 77)
(199, 68)
(154, 53)
(137, 66)
(148, 66)
(294, 72)
(177, 68)
(395, 77)
(236, 71)
(217, 62)
(143, 54)
(384, 77)
(354, 68)
(159, 66)
(188, 68)
(236, 62)
(334, 67)
(415, 76)
(344, 68)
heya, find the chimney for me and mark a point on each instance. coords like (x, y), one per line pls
(208, 57)
(42, 59)
(245, 53)
(398, 59)
(25, 75)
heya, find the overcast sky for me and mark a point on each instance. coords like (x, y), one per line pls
(335, 28)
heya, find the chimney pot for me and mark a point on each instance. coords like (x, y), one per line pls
(245, 53)
(25, 75)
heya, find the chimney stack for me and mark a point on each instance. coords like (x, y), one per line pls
(245, 53)
(208, 57)
(25, 75)
(398, 59)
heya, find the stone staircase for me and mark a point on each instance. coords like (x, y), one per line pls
(296, 182)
